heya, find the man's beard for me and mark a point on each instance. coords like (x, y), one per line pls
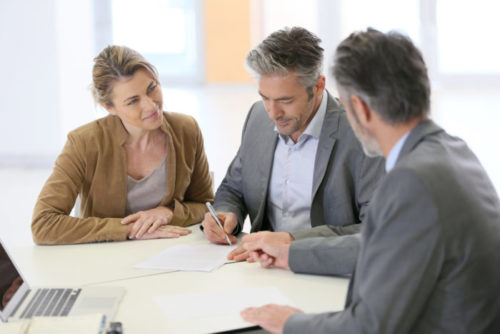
(369, 144)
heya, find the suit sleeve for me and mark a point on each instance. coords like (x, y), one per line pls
(400, 261)
(200, 190)
(51, 223)
(326, 231)
(229, 196)
(334, 256)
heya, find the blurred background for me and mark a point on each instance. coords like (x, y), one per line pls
(199, 47)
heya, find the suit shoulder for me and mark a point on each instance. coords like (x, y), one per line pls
(343, 131)
(178, 118)
(444, 165)
(336, 118)
(434, 154)
(93, 129)
(257, 118)
(344, 126)
(96, 137)
(257, 111)
(182, 124)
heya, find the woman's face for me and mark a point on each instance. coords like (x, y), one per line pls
(137, 100)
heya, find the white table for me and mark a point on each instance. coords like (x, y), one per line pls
(111, 264)
(93, 263)
(140, 314)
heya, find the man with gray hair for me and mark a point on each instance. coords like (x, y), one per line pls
(299, 170)
(428, 261)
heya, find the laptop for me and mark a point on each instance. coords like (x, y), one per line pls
(18, 301)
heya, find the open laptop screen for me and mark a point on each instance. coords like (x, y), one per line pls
(10, 279)
(17, 302)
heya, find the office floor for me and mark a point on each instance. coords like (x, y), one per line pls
(221, 110)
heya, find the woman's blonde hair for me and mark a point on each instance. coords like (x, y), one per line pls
(112, 64)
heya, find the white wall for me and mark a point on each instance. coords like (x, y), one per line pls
(322, 17)
(48, 47)
(28, 84)
(46, 55)
(75, 53)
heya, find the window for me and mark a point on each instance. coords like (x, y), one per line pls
(457, 37)
(166, 32)
(467, 34)
(383, 15)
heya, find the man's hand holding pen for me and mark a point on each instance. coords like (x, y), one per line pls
(220, 234)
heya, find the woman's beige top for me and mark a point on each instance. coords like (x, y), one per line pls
(93, 165)
(146, 193)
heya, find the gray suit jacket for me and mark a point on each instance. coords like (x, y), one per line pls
(429, 260)
(343, 181)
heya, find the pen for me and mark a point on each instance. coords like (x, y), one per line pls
(103, 324)
(212, 212)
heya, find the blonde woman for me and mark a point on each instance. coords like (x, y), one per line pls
(140, 172)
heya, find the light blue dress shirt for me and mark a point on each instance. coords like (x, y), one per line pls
(394, 154)
(290, 189)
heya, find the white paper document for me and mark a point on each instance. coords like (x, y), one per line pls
(198, 257)
(219, 303)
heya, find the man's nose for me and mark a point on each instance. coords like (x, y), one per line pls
(273, 110)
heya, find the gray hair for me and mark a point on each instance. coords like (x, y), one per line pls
(289, 50)
(386, 71)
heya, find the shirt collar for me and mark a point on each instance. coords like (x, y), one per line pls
(394, 154)
(314, 127)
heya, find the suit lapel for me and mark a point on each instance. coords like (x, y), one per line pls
(171, 168)
(268, 140)
(326, 143)
(119, 200)
(266, 163)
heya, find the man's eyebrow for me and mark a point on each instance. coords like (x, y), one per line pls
(283, 98)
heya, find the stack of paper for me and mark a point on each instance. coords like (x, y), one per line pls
(201, 257)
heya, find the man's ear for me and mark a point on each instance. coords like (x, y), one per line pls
(363, 113)
(320, 83)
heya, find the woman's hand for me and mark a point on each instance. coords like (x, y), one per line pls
(148, 222)
(167, 231)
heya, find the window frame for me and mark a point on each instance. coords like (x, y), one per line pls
(103, 36)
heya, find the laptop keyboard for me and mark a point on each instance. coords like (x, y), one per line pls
(51, 302)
